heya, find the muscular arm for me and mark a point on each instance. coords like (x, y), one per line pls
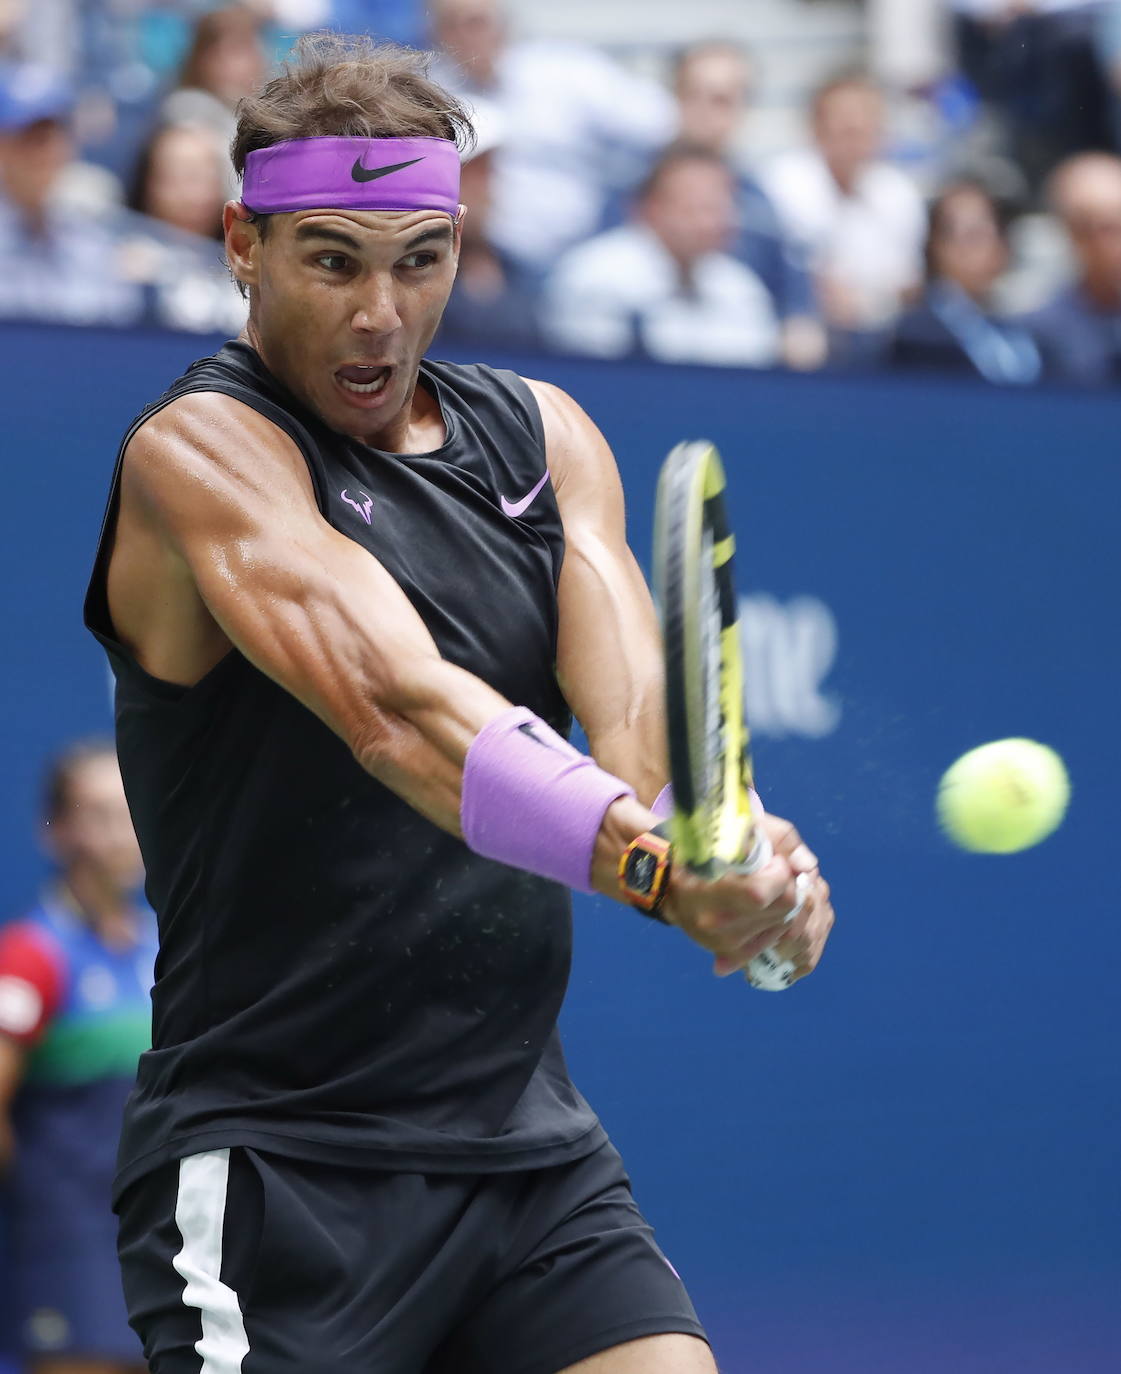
(609, 661)
(219, 542)
(219, 538)
(609, 655)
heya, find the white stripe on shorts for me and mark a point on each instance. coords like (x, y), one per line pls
(199, 1212)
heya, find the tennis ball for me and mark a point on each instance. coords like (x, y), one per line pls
(1003, 796)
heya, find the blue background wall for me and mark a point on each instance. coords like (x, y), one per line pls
(910, 1162)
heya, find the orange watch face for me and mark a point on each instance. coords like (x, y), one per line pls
(644, 871)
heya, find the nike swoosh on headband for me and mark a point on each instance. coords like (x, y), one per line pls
(516, 508)
(360, 173)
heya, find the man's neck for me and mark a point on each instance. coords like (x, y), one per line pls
(103, 904)
(844, 178)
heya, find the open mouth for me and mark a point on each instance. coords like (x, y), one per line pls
(361, 380)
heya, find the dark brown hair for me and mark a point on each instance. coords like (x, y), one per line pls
(344, 87)
(676, 155)
(1002, 213)
(706, 47)
(61, 770)
(210, 30)
(845, 79)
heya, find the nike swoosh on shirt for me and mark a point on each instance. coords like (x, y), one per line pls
(360, 173)
(516, 508)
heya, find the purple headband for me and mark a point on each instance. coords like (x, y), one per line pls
(353, 174)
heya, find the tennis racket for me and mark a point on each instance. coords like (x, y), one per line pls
(714, 827)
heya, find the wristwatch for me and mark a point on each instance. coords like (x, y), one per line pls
(644, 872)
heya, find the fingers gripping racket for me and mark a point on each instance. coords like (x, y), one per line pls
(714, 825)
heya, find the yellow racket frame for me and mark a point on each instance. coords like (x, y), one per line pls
(713, 823)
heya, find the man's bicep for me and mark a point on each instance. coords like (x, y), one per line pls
(309, 607)
(609, 655)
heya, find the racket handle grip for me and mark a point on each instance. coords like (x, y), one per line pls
(767, 971)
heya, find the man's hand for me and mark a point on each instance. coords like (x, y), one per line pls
(740, 915)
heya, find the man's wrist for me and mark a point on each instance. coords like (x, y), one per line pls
(645, 869)
(624, 820)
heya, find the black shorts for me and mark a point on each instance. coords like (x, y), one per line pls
(239, 1262)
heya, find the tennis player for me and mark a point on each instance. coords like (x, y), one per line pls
(351, 597)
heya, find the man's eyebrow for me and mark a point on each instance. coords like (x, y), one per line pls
(304, 232)
(439, 231)
(315, 231)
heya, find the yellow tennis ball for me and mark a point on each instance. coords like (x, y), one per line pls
(1003, 796)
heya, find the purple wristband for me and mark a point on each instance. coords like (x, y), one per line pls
(531, 800)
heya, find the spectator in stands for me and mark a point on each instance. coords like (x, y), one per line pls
(1079, 332)
(493, 303)
(862, 220)
(55, 264)
(954, 328)
(75, 974)
(63, 265)
(664, 286)
(226, 60)
(180, 179)
(1037, 64)
(576, 124)
(712, 83)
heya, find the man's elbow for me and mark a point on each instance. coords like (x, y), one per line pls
(385, 736)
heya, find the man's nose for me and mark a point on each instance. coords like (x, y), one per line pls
(376, 312)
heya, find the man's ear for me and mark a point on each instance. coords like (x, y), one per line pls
(457, 231)
(243, 243)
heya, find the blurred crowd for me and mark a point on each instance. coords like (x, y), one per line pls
(76, 967)
(612, 210)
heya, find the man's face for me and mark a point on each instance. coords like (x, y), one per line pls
(712, 95)
(233, 65)
(470, 31)
(31, 160)
(184, 186)
(93, 830)
(1091, 211)
(344, 304)
(692, 209)
(848, 127)
(968, 246)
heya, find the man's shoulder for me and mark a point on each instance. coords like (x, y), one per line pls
(498, 389)
(722, 275)
(567, 62)
(795, 170)
(628, 249)
(921, 324)
(210, 384)
(756, 205)
(890, 187)
(1059, 308)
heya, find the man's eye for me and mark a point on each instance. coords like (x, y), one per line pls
(416, 260)
(333, 262)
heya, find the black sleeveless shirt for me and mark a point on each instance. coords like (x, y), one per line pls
(338, 979)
